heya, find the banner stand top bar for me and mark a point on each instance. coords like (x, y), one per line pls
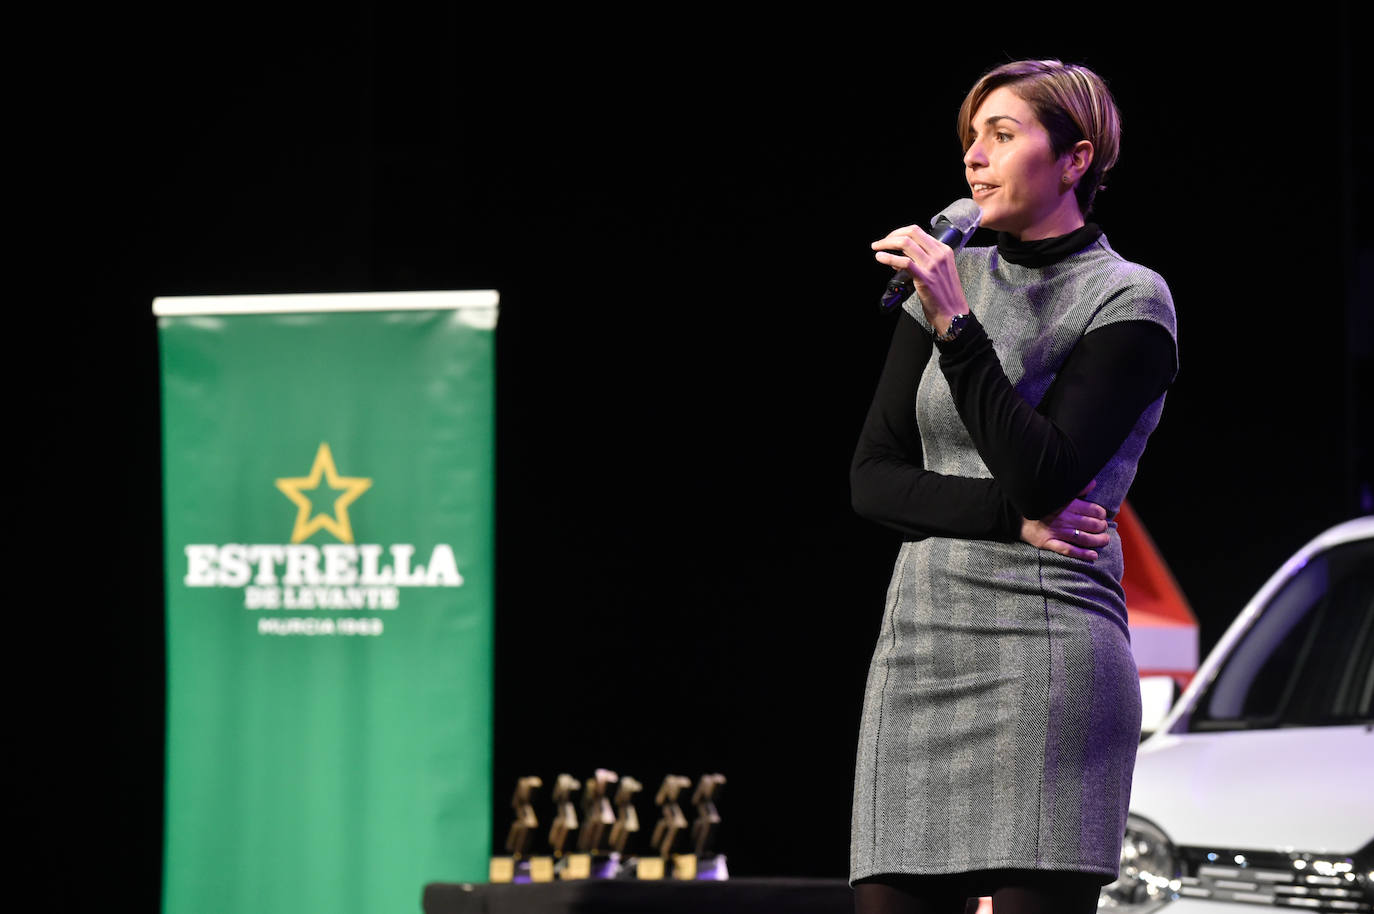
(186, 305)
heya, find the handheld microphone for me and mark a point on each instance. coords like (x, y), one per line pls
(953, 226)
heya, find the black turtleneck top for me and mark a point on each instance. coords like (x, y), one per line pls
(1133, 360)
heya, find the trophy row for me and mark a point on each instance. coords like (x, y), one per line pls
(595, 836)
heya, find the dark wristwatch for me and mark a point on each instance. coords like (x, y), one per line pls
(956, 327)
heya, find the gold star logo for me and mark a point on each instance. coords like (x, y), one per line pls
(350, 487)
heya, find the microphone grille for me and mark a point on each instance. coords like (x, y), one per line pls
(963, 214)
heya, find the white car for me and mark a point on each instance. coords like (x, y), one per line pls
(1257, 789)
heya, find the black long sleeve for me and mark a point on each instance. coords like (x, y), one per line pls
(888, 483)
(1110, 376)
(1043, 457)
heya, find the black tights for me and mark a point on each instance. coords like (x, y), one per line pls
(1012, 891)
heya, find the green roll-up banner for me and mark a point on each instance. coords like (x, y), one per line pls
(328, 480)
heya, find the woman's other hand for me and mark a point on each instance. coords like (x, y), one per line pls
(1077, 531)
(931, 264)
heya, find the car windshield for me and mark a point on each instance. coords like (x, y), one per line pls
(1308, 658)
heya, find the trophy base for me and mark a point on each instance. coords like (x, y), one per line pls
(540, 869)
(590, 866)
(574, 866)
(648, 868)
(509, 869)
(712, 868)
(607, 866)
(684, 866)
(679, 867)
(501, 869)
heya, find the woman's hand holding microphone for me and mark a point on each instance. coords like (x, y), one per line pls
(931, 265)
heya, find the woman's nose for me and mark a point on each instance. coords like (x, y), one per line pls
(974, 155)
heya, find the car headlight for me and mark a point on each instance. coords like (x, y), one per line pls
(1149, 871)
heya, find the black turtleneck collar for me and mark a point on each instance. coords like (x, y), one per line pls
(1045, 251)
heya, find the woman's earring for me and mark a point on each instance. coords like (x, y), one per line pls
(1068, 180)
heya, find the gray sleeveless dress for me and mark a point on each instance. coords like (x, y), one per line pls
(1002, 711)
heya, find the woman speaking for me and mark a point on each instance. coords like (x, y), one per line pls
(1002, 710)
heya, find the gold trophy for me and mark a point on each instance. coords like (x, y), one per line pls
(670, 824)
(597, 813)
(626, 818)
(565, 813)
(708, 864)
(597, 816)
(520, 866)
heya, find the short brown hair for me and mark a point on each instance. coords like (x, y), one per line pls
(1071, 101)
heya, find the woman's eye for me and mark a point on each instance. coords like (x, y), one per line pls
(1003, 137)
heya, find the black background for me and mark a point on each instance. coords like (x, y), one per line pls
(676, 208)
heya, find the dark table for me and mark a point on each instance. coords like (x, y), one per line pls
(756, 896)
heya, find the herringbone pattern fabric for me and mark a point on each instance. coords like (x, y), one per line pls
(1002, 710)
